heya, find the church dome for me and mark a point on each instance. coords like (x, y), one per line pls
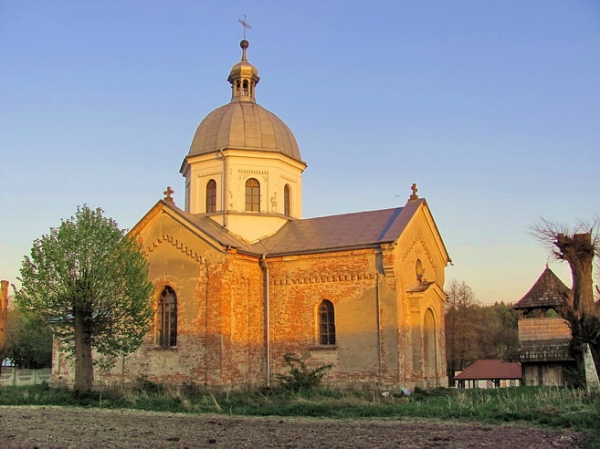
(247, 126)
(243, 124)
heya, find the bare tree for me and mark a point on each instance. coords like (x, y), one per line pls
(578, 246)
(462, 327)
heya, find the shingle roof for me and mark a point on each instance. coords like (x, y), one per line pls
(554, 350)
(548, 291)
(491, 369)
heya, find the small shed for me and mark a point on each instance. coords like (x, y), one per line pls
(490, 374)
(544, 337)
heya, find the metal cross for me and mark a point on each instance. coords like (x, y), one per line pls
(245, 24)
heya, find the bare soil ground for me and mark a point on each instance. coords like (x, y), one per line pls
(61, 427)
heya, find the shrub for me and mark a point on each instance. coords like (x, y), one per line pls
(301, 377)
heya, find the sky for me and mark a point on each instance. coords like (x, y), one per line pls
(491, 107)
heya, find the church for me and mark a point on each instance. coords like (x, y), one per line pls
(241, 279)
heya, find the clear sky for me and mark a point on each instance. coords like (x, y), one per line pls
(491, 107)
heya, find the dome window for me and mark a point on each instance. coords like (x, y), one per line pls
(287, 209)
(211, 196)
(252, 195)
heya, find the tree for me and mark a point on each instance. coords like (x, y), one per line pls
(475, 331)
(89, 280)
(462, 327)
(28, 340)
(578, 246)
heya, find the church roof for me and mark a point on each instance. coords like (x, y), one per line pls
(548, 291)
(339, 232)
(243, 124)
(331, 233)
(491, 369)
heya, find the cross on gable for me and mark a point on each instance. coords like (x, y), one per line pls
(245, 24)
(168, 194)
(414, 195)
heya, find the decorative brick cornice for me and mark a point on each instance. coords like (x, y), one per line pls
(177, 244)
(208, 173)
(317, 279)
(246, 171)
(411, 247)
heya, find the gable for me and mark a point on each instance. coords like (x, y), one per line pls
(187, 232)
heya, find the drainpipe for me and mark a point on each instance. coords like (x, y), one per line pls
(263, 263)
(378, 316)
(224, 187)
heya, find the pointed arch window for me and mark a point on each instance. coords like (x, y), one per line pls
(287, 208)
(211, 196)
(252, 195)
(326, 323)
(166, 326)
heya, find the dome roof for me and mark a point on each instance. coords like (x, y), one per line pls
(244, 125)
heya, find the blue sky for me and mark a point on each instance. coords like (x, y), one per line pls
(492, 108)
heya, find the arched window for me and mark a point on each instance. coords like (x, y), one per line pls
(326, 323)
(287, 209)
(252, 195)
(419, 270)
(429, 345)
(166, 334)
(245, 87)
(211, 196)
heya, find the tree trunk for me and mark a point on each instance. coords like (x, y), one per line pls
(578, 251)
(83, 351)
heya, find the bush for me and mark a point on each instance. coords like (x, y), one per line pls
(301, 377)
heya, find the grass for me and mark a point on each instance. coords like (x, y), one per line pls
(550, 407)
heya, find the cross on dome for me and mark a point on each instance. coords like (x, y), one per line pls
(245, 24)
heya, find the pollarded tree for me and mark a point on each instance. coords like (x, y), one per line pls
(578, 246)
(89, 279)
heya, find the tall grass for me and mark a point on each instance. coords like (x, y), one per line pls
(557, 408)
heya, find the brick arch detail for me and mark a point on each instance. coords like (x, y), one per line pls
(419, 239)
(166, 238)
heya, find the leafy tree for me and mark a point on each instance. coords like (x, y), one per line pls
(500, 340)
(28, 340)
(89, 280)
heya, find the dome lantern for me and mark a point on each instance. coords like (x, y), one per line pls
(243, 78)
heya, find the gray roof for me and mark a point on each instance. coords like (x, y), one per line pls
(331, 233)
(339, 232)
(547, 292)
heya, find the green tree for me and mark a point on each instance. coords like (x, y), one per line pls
(89, 280)
(28, 340)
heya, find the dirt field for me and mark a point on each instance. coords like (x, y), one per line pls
(58, 427)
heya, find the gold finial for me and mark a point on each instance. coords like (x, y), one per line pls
(168, 194)
(245, 24)
(414, 195)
